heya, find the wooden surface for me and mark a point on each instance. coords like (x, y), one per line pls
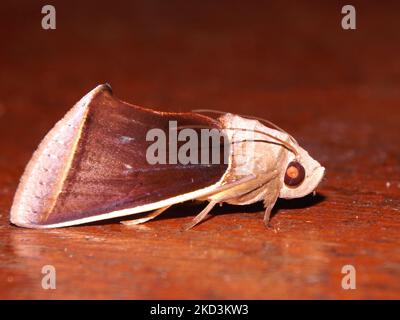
(336, 91)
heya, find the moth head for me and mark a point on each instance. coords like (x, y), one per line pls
(302, 174)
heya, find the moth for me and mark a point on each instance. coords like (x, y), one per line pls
(94, 165)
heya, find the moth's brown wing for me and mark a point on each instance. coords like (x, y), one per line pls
(94, 162)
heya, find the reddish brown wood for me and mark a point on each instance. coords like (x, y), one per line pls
(336, 91)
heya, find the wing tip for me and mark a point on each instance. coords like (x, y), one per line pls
(35, 184)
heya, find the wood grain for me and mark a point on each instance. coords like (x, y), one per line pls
(336, 91)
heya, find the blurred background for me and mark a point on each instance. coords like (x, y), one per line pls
(337, 92)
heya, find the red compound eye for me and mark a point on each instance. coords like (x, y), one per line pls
(294, 174)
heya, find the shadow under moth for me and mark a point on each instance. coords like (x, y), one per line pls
(95, 165)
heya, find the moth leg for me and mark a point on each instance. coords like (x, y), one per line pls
(269, 203)
(161, 210)
(150, 216)
(267, 216)
(204, 213)
(201, 216)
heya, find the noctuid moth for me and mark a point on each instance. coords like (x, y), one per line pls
(104, 160)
